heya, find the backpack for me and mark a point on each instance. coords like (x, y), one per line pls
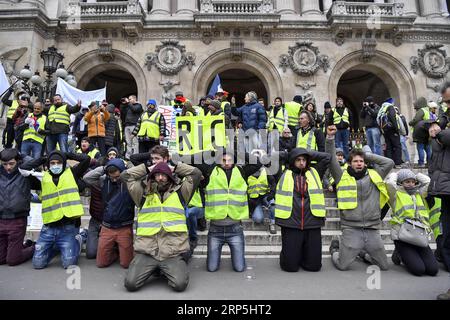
(401, 126)
(382, 117)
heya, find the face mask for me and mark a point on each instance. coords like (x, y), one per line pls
(56, 169)
(341, 162)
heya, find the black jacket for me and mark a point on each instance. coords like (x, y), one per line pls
(301, 216)
(369, 115)
(15, 194)
(112, 132)
(420, 133)
(439, 168)
(130, 113)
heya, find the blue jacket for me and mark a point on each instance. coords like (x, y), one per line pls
(253, 115)
(119, 207)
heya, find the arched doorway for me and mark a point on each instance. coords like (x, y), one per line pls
(355, 85)
(119, 84)
(238, 82)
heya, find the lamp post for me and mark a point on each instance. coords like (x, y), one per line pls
(44, 88)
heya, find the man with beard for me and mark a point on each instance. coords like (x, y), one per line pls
(58, 123)
(300, 210)
(162, 235)
(361, 193)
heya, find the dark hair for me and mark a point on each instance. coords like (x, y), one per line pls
(160, 150)
(86, 139)
(356, 152)
(111, 169)
(278, 98)
(445, 86)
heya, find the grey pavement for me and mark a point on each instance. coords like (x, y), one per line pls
(265, 281)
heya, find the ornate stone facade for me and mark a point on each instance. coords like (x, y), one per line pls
(291, 46)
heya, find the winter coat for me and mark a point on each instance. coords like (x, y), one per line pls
(369, 115)
(162, 245)
(131, 113)
(420, 133)
(301, 216)
(96, 123)
(367, 214)
(439, 168)
(252, 114)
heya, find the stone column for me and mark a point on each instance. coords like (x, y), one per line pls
(409, 8)
(186, 7)
(161, 7)
(286, 7)
(430, 8)
(144, 4)
(444, 8)
(379, 1)
(327, 5)
(310, 7)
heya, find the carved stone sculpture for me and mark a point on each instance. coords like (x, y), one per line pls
(304, 59)
(170, 58)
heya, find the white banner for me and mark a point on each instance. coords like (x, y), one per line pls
(71, 95)
(4, 82)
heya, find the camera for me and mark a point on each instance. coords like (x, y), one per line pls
(365, 104)
(123, 100)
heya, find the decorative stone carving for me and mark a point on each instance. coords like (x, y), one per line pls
(368, 49)
(10, 58)
(266, 37)
(77, 36)
(432, 60)
(306, 85)
(167, 96)
(105, 50)
(397, 36)
(170, 58)
(304, 59)
(236, 49)
(340, 34)
(131, 33)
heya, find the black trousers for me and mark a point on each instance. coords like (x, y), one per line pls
(100, 141)
(8, 134)
(301, 248)
(445, 222)
(393, 146)
(417, 260)
(146, 146)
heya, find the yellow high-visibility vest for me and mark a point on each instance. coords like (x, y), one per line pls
(12, 109)
(347, 194)
(196, 200)
(405, 208)
(435, 218)
(293, 110)
(59, 115)
(224, 200)
(62, 200)
(276, 121)
(307, 141)
(258, 186)
(284, 196)
(150, 125)
(91, 153)
(154, 215)
(31, 134)
(337, 118)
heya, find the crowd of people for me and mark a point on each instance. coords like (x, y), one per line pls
(59, 151)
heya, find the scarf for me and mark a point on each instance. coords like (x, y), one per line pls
(357, 175)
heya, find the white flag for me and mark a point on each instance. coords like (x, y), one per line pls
(4, 82)
(71, 95)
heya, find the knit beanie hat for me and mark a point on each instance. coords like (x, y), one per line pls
(298, 98)
(327, 105)
(215, 103)
(162, 167)
(405, 174)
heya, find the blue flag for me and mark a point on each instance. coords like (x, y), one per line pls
(215, 87)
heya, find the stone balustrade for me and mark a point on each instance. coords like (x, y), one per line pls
(366, 9)
(113, 8)
(236, 7)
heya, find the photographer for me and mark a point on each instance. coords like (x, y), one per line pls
(96, 119)
(369, 114)
(8, 133)
(130, 110)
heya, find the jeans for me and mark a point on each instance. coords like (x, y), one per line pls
(421, 148)
(258, 213)
(341, 140)
(61, 139)
(31, 148)
(92, 238)
(404, 149)
(132, 143)
(194, 213)
(373, 136)
(63, 238)
(217, 237)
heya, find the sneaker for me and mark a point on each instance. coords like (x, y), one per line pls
(79, 238)
(397, 166)
(29, 243)
(396, 258)
(83, 234)
(334, 246)
(444, 296)
(272, 228)
(201, 224)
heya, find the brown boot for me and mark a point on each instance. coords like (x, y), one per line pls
(444, 296)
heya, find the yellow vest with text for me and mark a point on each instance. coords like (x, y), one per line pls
(293, 110)
(12, 109)
(59, 115)
(149, 125)
(307, 141)
(154, 215)
(62, 200)
(347, 194)
(337, 118)
(258, 186)
(284, 196)
(223, 199)
(405, 208)
(276, 121)
(33, 134)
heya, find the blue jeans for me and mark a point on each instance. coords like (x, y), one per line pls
(31, 148)
(194, 213)
(341, 140)
(421, 148)
(61, 139)
(258, 213)
(373, 136)
(53, 238)
(404, 149)
(217, 237)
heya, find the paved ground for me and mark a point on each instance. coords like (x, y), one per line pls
(267, 281)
